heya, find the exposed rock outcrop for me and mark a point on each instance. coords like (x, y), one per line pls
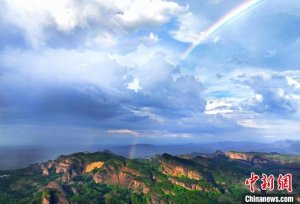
(55, 186)
(63, 166)
(46, 167)
(46, 200)
(45, 171)
(66, 178)
(57, 194)
(176, 167)
(239, 155)
(126, 177)
(253, 158)
(50, 164)
(94, 165)
(181, 171)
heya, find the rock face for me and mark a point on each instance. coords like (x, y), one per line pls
(67, 167)
(181, 171)
(46, 200)
(176, 168)
(57, 195)
(55, 186)
(124, 176)
(67, 177)
(239, 155)
(45, 171)
(120, 174)
(188, 174)
(63, 166)
(46, 167)
(50, 164)
(94, 165)
(246, 157)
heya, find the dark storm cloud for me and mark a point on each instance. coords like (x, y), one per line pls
(100, 98)
(173, 98)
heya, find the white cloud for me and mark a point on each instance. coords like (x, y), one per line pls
(293, 78)
(35, 16)
(139, 13)
(152, 38)
(134, 85)
(254, 124)
(61, 66)
(124, 132)
(259, 97)
(219, 106)
(142, 54)
(190, 27)
(102, 40)
(148, 112)
(150, 133)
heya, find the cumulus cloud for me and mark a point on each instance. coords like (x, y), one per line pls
(36, 18)
(154, 12)
(270, 105)
(272, 94)
(189, 28)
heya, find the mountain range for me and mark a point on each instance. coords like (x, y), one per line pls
(144, 150)
(104, 177)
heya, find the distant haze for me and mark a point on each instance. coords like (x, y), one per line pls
(22, 156)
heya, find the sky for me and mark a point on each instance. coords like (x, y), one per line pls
(114, 72)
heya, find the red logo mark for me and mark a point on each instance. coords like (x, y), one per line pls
(267, 182)
(285, 182)
(251, 181)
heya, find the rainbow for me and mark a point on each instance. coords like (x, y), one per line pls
(132, 149)
(229, 17)
(131, 152)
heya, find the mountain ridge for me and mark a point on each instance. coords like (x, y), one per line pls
(103, 177)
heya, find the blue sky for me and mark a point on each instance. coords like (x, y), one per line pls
(95, 71)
